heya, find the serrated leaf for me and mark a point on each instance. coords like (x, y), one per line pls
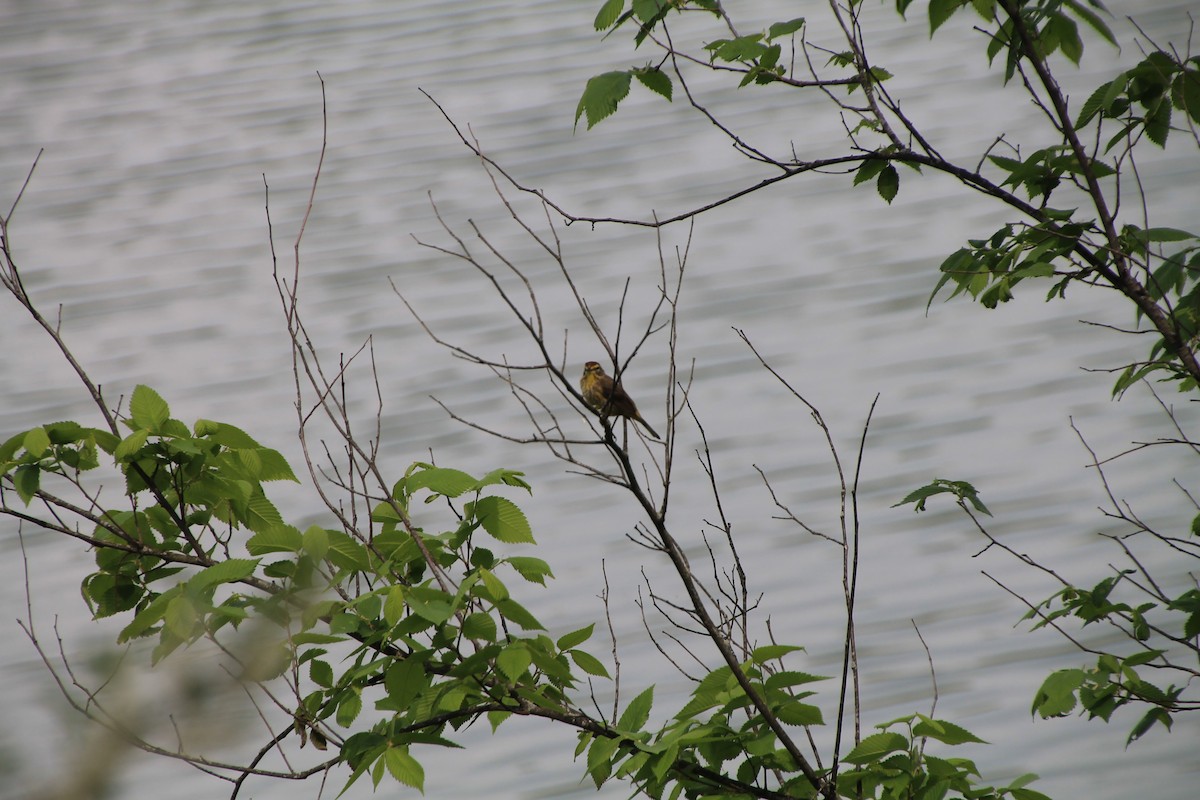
(130, 445)
(36, 442)
(1056, 697)
(430, 604)
(601, 96)
(779, 29)
(495, 587)
(147, 409)
(1185, 92)
(393, 605)
(1166, 235)
(1092, 106)
(404, 680)
(150, 616)
(534, 570)
(315, 542)
(517, 613)
(279, 539)
(770, 652)
(503, 519)
(181, 617)
(1158, 123)
(637, 712)
(608, 14)
(349, 707)
(589, 663)
(26, 480)
(868, 170)
(946, 732)
(1067, 33)
(888, 183)
(797, 713)
(655, 80)
(575, 638)
(1092, 19)
(479, 626)
(940, 11)
(347, 553)
(513, 661)
(875, 746)
(439, 480)
(404, 768)
(321, 673)
(228, 571)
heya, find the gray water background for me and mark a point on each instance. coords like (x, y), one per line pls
(145, 222)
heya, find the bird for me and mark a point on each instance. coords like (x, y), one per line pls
(607, 397)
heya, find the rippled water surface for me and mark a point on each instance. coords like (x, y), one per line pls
(145, 222)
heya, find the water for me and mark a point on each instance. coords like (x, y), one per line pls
(145, 222)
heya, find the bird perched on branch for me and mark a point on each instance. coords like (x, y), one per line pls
(607, 397)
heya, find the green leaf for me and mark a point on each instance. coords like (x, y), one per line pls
(36, 442)
(130, 444)
(517, 613)
(575, 638)
(404, 680)
(1166, 235)
(779, 29)
(503, 519)
(986, 9)
(637, 712)
(431, 604)
(1056, 697)
(277, 539)
(601, 96)
(26, 480)
(960, 489)
(1158, 123)
(147, 410)
(1092, 106)
(797, 713)
(599, 759)
(514, 660)
(946, 732)
(655, 80)
(181, 617)
(494, 588)
(439, 480)
(1067, 33)
(874, 747)
(315, 542)
(608, 14)
(531, 569)
(1185, 92)
(347, 553)
(780, 680)
(404, 768)
(393, 605)
(589, 663)
(1092, 19)
(940, 11)
(321, 673)
(234, 569)
(888, 183)
(479, 626)
(770, 652)
(349, 707)
(868, 170)
(150, 616)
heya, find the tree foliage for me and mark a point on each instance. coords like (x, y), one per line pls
(396, 623)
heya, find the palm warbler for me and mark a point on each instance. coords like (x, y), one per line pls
(608, 397)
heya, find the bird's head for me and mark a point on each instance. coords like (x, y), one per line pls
(593, 368)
